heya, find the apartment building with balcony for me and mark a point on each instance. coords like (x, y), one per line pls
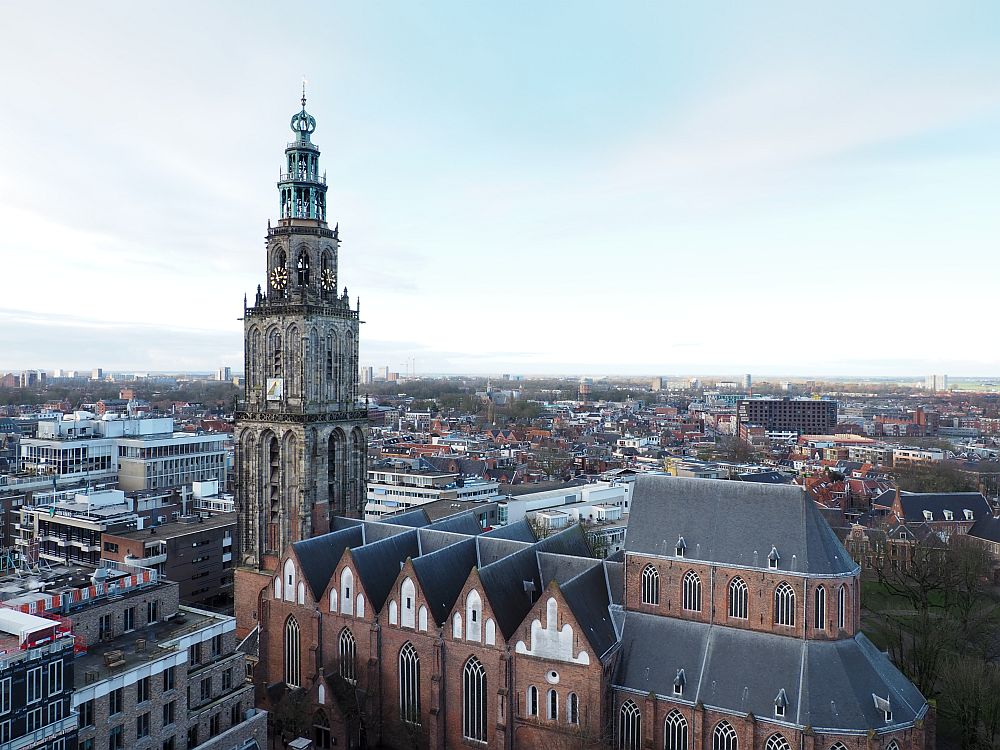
(150, 674)
(194, 551)
(36, 683)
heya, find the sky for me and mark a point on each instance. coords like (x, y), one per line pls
(521, 187)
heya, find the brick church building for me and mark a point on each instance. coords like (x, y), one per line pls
(732, 624)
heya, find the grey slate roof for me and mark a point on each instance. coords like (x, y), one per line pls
(587, 596)
(378, 564)
(561, 568)
(828, 684)
(734, 523)
(915, 503)
(986, 528)
(519, 531)
(504, 580)
(462, 523)
(318, 556)
(415, 517)
(615, 573)
(491, 550)
(432, 540)
(443, 573)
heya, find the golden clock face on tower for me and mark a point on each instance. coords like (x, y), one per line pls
(328, 280)
(279, 277)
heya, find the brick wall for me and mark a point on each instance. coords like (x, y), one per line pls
(761, 584)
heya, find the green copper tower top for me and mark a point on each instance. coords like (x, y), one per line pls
(301, 188)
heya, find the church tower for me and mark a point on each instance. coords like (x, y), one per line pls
(300, 436)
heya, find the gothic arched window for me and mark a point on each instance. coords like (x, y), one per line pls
(274, 351)
(650, 585)
(474, 697)
(348, 650)
(408, 603)
(675, 731)
(573, 709)
(629, 727)
(724, 737)
(777, 741)
(321, 731)
(293, 652)
(820, 610)
(841, 606)
(784, 605)
(692, 592)
(532, 701)
(738, 598)
(409, 684)
(552, 706)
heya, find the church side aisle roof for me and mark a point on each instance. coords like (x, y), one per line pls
(829, 684)
(318, 557)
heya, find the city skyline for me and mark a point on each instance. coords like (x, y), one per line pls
(777, 191)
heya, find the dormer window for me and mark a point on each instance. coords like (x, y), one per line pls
(928, 516)
(681, 546)
(780, 704)
(902, 534)
(679, 681)
(969, 516)
(773, 558)
(882, 704)
(949, 516)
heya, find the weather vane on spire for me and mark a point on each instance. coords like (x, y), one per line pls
(303, 92)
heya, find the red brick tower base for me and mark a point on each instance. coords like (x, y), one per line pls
(247, 585)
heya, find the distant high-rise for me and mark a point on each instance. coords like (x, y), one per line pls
(97, 374)
(383, 373)
(936, 383)
(585, 384)
(747, 382)
(224, 373)
(656, 384)
(367, 375)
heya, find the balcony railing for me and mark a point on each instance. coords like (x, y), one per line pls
(39, 736)
(296, 177)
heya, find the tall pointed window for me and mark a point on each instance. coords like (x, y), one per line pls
(692, 591)
(409, 684)
(724, 737)
(552, 706)
(532, 699)
(738, 598)
(474, 697)
(293, 651)
(675, 731)
(573, 709)
(841, 607)
(784, 605)
(629, 727)
(650, 585)
(820, 609)
(348, 650)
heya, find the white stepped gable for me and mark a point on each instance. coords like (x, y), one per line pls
(551, 643)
